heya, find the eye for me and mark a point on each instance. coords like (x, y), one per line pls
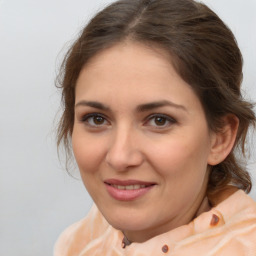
(95, 120)
(160, 121)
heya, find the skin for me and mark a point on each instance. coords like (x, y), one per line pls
(129, 142)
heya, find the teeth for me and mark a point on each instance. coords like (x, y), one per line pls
(129, 187)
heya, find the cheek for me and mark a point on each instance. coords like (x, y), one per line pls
(182, 166)
(180, 156)
(88, 152)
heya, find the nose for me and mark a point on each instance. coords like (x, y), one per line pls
(124, 151)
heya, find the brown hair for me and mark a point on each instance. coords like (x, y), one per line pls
(204, 53)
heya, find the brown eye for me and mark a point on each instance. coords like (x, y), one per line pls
(98, 120)
(160, 121)
(94, 120)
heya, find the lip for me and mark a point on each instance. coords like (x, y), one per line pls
(127, 195)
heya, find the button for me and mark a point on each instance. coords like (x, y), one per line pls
(165, 248)
(215, 220)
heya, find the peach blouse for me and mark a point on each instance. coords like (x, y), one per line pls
(227, 229)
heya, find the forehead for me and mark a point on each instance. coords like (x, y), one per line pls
(132, 71)
(130, 57)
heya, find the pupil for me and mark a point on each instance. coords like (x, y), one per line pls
(98, 120)
(160, 120)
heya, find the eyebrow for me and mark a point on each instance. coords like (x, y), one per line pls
(139, 108)
(93, 104)
(158, 104)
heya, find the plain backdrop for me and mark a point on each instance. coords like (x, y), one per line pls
(37, 197)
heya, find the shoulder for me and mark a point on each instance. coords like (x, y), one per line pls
(78, 235)
(227, 229)
(237, 211)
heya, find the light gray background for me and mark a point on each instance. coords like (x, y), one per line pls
(37, 198)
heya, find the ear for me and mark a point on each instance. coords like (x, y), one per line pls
(223, 141)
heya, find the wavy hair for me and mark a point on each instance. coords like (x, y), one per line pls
(204, 53)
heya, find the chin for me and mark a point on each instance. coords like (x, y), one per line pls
(127, 221)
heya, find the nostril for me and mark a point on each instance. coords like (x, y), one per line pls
(123, 159)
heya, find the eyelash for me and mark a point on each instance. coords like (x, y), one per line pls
(166, 118)
(86, 119)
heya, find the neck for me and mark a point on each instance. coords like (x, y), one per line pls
(142, 236)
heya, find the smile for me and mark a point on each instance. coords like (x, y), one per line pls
(130, 187)
(127, 190)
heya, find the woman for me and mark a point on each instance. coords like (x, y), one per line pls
(154, 113)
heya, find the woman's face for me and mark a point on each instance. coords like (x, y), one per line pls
(141, 140)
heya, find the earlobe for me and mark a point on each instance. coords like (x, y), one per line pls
(224, 140)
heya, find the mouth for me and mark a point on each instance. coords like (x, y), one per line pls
(127, 190)
(129, 187)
